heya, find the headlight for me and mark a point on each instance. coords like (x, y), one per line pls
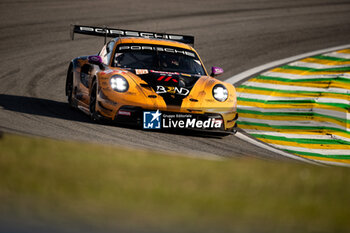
(119, 83)
(220, 92)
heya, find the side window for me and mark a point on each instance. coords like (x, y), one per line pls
(106, 52)
(103, 54)
(109, 49)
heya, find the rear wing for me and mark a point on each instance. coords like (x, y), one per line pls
(112, 32)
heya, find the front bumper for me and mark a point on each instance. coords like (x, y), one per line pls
(133, 115)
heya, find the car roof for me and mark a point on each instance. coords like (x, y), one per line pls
(137, 40)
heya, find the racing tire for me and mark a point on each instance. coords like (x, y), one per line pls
(93, 101)
(69, 88)
(234, 129)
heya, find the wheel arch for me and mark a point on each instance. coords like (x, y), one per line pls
(69, 70)
(93, 80)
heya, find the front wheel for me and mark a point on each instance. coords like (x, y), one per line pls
(69, 87)
(93, 100)
(234, 129)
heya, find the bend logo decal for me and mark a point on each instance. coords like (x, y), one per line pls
(151, 120)
(172, 90)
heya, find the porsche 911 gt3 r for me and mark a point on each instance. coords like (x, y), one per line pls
(145, 72)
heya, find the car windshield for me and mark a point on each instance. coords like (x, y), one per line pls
(155, 57)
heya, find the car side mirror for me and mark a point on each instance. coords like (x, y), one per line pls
(96, 60)
(215, 71)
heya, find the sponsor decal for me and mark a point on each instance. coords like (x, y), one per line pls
(152, 120)
(158, 120)
(119, 72)
(112, 71)
(124, 113)
(141, 71)
(167, 79)
(106, 72)
(210, 123)
(172, 90)
(164, 72)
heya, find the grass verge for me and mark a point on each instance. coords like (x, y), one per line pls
(55, 186)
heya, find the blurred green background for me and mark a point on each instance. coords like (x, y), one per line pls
(57, 186)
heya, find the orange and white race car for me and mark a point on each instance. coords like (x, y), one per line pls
(152, 79)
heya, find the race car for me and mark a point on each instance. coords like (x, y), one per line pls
(145, 78)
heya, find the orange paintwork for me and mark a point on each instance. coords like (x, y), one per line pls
(138, 95)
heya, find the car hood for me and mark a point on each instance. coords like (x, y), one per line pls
(172, 86)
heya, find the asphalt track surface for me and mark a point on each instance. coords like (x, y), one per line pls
(236, 35)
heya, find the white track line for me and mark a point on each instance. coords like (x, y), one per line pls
(299, 136)
(248, 73)
(272, 149)
(282, 87)
(316, 65)
(339, 55)
(290, 76)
